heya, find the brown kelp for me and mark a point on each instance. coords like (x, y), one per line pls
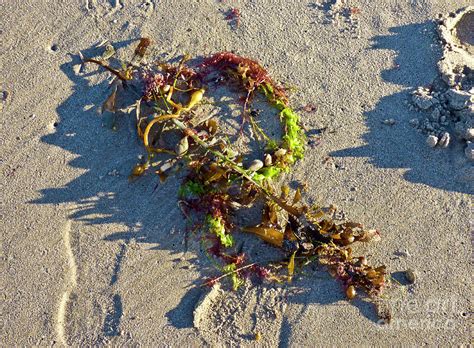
(218, 183)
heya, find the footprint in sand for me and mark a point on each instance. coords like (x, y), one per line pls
(108, 8)
(242, 315)
(103, 8)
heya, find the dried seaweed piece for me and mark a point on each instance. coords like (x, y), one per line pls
(268, 234)
(122, 75)
(140, 50)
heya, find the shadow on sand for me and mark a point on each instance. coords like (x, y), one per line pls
(400, 146)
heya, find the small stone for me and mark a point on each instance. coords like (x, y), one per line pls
(444, 140)
(4, 96)
(389, 122)
(469, 151)
(268, 160)
(182, 146)
(402, 253)
(411, 276)
(432, 141)
(255, 165)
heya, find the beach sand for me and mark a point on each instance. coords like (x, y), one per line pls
(87, 258)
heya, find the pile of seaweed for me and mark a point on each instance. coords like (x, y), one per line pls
(218, 184)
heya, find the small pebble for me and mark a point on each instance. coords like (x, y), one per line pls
(255, 165)
(444, 141)
(402, 253)
(469, 134)
(182, 147)
(268, 160)
(469, 151)
(432, 141)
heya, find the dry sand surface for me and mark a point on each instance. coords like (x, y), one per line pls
(87, 258)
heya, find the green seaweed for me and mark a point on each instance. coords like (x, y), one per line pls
(231, 270)
(268, 173)
(191, 188)
(217, 227)
(294, 137)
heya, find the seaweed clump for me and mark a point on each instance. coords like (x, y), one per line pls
(218, 184)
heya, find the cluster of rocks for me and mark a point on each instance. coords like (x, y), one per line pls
(449, 112)
(449, 102)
